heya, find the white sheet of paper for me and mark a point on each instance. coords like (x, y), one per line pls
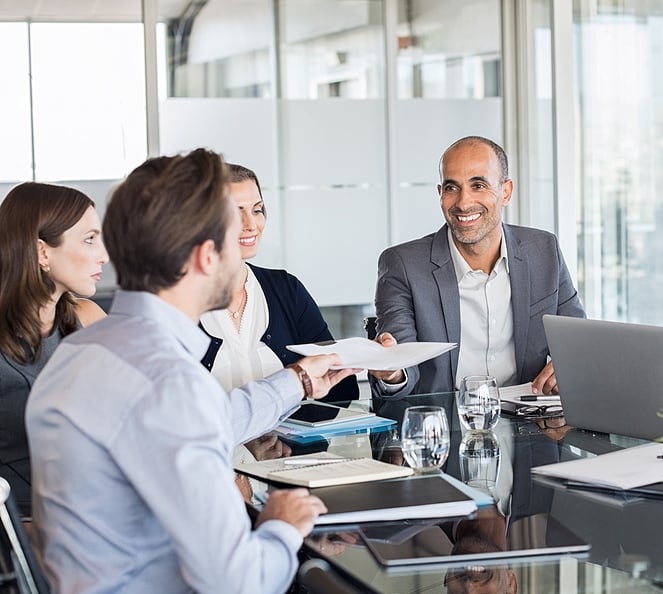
(514, 393)
(623, 469)
(362, 353)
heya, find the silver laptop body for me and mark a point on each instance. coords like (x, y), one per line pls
(609, 374)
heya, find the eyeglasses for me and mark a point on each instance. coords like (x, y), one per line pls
(546, 411)
(540, 418)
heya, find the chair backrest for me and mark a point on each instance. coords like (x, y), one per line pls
(369, 326)
(317, 577)
(19, 569)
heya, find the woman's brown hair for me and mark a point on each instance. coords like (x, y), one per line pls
(33, 211)
(239, 173)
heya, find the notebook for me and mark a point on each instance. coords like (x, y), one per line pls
(609, 374)
(322, 469)
(416, 497)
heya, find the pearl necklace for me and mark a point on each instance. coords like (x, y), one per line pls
(236, 314)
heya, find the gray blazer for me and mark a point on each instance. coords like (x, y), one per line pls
(417, 299)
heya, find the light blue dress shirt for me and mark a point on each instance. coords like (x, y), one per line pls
(131, 442)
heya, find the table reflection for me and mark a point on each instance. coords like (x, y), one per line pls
(624, 531)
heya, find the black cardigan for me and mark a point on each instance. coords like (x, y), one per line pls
(294, 318)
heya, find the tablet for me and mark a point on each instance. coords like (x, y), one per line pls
(318, 414)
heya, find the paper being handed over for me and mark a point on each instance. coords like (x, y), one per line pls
(362, 353)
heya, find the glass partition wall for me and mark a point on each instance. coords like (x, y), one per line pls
(342, 107)
(619, 150)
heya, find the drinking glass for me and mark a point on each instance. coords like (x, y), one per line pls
(425, 437)
(479, 455)
(478, 402)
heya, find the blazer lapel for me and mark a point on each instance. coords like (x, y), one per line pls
(447, 286)
(520, 295)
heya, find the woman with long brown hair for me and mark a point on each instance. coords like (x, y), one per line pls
(50, 250)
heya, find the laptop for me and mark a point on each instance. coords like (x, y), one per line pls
(609, 374)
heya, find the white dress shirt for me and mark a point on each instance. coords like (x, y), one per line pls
(486, 319)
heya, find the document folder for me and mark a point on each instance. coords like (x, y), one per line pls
(424, 496)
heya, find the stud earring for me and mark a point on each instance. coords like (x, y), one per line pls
(46, 268)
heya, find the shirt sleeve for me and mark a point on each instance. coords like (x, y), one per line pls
(260, 405)
(189, 487)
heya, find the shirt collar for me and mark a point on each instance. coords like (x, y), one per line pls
(462, 267)
(149, 306)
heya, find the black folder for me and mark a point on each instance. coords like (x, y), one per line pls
(422, 496)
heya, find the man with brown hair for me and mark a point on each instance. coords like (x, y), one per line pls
(131, 438)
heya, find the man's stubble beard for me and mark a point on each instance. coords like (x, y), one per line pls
(221, 299)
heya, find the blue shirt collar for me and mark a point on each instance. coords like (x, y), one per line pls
(149, 306)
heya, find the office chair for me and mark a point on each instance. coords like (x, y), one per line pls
(369, 326)
(317, 577)
(19, 571)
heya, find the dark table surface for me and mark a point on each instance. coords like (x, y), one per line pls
(625, 533)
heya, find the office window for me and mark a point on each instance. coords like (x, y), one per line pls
(222, 51)
(448, 73)
(15, 144)
(619, 93)
(449, 51)
(332, 49)
(88, 99)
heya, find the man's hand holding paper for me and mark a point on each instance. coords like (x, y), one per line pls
(367, 354)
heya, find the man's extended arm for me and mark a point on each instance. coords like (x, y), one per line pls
(395, 315)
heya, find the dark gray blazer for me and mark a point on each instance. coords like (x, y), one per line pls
(417, 299)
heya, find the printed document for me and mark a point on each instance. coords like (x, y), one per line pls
(625, 469)
(521, 395)
(362, 353)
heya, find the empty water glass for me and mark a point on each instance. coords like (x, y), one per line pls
(425, 437)
(478, 402)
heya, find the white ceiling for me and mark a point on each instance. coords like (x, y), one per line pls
(84, 10)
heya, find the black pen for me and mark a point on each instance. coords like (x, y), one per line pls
(535, 397)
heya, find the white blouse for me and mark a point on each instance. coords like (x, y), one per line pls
(242, 356)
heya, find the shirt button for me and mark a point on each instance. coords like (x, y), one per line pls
(268, 337)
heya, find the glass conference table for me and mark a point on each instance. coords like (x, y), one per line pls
(625, 533)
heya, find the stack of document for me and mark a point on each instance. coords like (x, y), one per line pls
(361, 353)
(513, 398)
(371, 497)
(626, 469)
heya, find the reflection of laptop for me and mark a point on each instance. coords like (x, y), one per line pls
(412, 543)
(609, 374)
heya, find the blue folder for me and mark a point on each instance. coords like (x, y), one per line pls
(302, 434)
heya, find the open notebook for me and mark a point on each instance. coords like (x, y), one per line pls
(322, 469)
